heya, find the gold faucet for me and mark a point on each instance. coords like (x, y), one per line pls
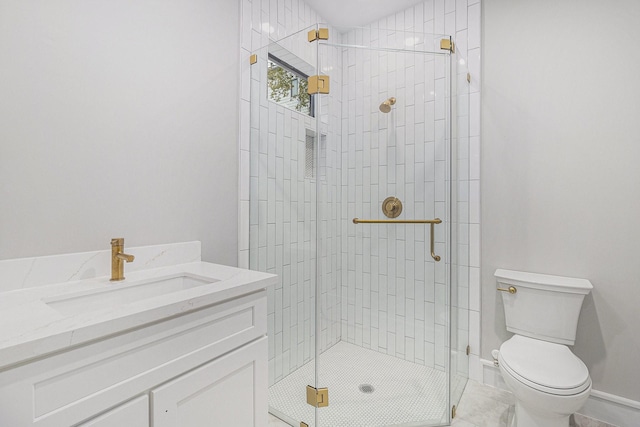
(118, 258)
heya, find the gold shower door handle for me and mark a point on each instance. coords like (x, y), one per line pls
(433, 253)
(432, 222)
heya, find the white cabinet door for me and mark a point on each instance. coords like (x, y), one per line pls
(228, 391)
(131, 414)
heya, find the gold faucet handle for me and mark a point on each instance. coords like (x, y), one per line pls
(119, 241)
(125, 257)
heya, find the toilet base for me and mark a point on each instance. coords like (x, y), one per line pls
(526, 418)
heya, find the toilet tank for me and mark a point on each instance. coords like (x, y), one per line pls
(544, 307)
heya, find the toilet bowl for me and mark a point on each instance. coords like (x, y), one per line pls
(548, 381)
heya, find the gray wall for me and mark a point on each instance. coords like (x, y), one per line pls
(118, 118)
(560, 172)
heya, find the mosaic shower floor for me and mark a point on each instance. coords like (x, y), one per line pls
(404, 393)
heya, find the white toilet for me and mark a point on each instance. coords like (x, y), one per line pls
(549, 382)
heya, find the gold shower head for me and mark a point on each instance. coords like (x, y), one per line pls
(385, 107)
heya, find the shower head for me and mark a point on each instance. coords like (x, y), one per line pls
(385, 107)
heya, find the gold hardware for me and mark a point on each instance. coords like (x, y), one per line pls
(318, 84)
(468, 77)
(433, 253)
(468, 350)
(511, 289)
(392, 207)
(303, 424)
(385, 107)
(447, 44)
(453, 411)
(319, 34)
(253, 59)
(118, 258)
(433, 222)
(397, 221)
(317, 397)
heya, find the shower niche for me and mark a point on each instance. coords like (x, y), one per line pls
(363, 316)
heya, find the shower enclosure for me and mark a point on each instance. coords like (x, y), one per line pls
(365, 326)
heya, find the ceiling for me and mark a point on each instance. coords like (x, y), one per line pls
(356, 13)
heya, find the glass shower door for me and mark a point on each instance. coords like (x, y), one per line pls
(383, 319)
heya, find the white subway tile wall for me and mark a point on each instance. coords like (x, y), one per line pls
(282, 195)
(393, 293)
(383, 284)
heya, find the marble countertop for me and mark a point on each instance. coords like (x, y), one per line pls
(31, 328)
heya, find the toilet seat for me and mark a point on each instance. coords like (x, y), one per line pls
(544, 366)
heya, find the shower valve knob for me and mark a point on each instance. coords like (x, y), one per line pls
(392, 207)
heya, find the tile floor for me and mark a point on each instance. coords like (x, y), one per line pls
(417, 393)
(480, 406)
(483, 406)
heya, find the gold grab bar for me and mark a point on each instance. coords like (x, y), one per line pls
(432, 222)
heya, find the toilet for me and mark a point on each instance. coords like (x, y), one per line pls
(548, 381)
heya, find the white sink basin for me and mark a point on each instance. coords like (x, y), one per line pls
(125, 293)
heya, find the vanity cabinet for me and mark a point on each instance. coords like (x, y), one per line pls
(134, 414)
(206, 367)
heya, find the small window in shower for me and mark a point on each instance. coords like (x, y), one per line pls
(287, 86)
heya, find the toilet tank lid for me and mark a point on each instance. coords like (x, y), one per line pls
(543, 281)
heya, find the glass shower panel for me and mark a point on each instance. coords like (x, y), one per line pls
(460, 226)
(282, 234)
(383, 322)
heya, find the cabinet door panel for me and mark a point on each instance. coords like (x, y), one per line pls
(228, 391)
(131, 414)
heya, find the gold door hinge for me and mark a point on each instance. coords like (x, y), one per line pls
(468, 77)
(447, 44)
(468, 350)
(317, 397)
(319, 34)
(253, 59)
(318, 84)
(453, 411)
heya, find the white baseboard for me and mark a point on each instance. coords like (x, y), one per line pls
(606, 407)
